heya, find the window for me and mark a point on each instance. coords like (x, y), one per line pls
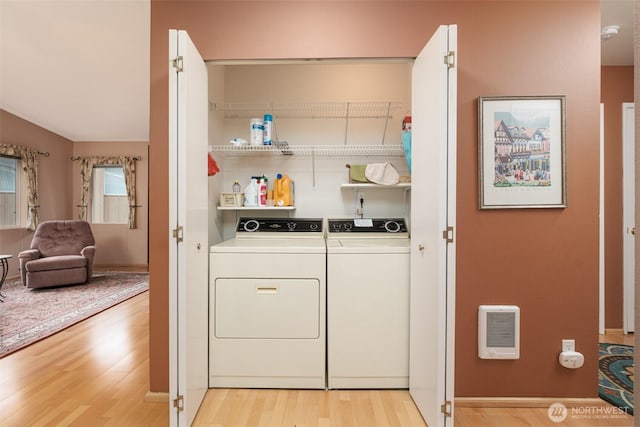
(9, 190)
(109, 201)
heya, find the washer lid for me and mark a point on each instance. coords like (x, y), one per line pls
(367, 227)
(355, 245)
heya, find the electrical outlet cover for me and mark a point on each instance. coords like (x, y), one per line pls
(568, 345)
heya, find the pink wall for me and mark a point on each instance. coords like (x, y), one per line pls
(545, 261)
(119, 245)
(59, 189)
(54, 178)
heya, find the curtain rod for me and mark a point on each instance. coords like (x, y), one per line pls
(74, 158)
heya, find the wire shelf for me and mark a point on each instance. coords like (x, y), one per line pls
(312, 150)
(310, 110)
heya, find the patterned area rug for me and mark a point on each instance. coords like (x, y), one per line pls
(615, 382)
(29, 315)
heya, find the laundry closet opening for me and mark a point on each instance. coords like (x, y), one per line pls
(269, 295)
(326, 114)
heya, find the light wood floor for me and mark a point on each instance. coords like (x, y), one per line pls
(91, 374)
(96, 373)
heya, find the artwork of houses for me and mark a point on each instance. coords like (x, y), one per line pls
(521, 155)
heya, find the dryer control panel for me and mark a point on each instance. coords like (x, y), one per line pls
(367, 225)
(279, 225)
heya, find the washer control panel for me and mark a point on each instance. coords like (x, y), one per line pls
(367, 225)
(279, 225)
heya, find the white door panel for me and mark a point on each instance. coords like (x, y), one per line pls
(432, 211)
(188, 216)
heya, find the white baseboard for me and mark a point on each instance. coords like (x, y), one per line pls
(526, 402)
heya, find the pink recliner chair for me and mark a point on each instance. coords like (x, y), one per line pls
(61, 253)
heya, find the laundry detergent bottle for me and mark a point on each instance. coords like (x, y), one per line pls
(283, 191)
(251, 193)
(262, 191)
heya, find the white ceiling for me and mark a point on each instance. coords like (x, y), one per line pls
(618, 50)
(77, 68)
(81, 68)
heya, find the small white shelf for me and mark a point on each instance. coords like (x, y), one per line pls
(256, 208)
(363, 186)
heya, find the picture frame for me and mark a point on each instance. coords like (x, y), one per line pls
(521, 152)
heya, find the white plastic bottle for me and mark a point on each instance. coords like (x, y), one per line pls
(257, 132)
(251, 193)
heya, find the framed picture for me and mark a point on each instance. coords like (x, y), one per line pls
(521, 156)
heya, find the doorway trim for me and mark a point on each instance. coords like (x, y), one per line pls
(601, 228)
(628, 216)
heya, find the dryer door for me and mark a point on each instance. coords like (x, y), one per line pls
(267, 308)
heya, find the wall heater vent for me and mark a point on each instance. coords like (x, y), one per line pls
(499, 332)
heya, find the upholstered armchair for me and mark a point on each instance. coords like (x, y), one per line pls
(61, 253)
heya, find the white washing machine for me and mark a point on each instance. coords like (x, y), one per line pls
(268, 305)
(367, 303)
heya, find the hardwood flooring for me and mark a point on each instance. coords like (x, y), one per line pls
(308, 408)
(615, 336)
(96, 373)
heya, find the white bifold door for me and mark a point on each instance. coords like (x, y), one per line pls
(188, 229)
(433, 209)
(432, 228)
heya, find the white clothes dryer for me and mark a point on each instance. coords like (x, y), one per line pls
(367, 303)
(268, 305)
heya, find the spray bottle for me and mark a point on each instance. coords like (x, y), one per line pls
(262, 191)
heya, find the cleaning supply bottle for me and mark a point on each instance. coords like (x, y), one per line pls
(236, 186)
(251, 193)
(267, 125)
(257, 132)
(283, 191)
(262, 191)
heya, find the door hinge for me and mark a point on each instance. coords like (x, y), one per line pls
(448, 234)
(178, 403)
(177, 234)
(445, 408)
(450, 59)
(177, 64)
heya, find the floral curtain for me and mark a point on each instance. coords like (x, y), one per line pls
(128, 164)
(29, 159)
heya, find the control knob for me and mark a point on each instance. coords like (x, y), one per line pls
(392, 226)
(251, 225)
